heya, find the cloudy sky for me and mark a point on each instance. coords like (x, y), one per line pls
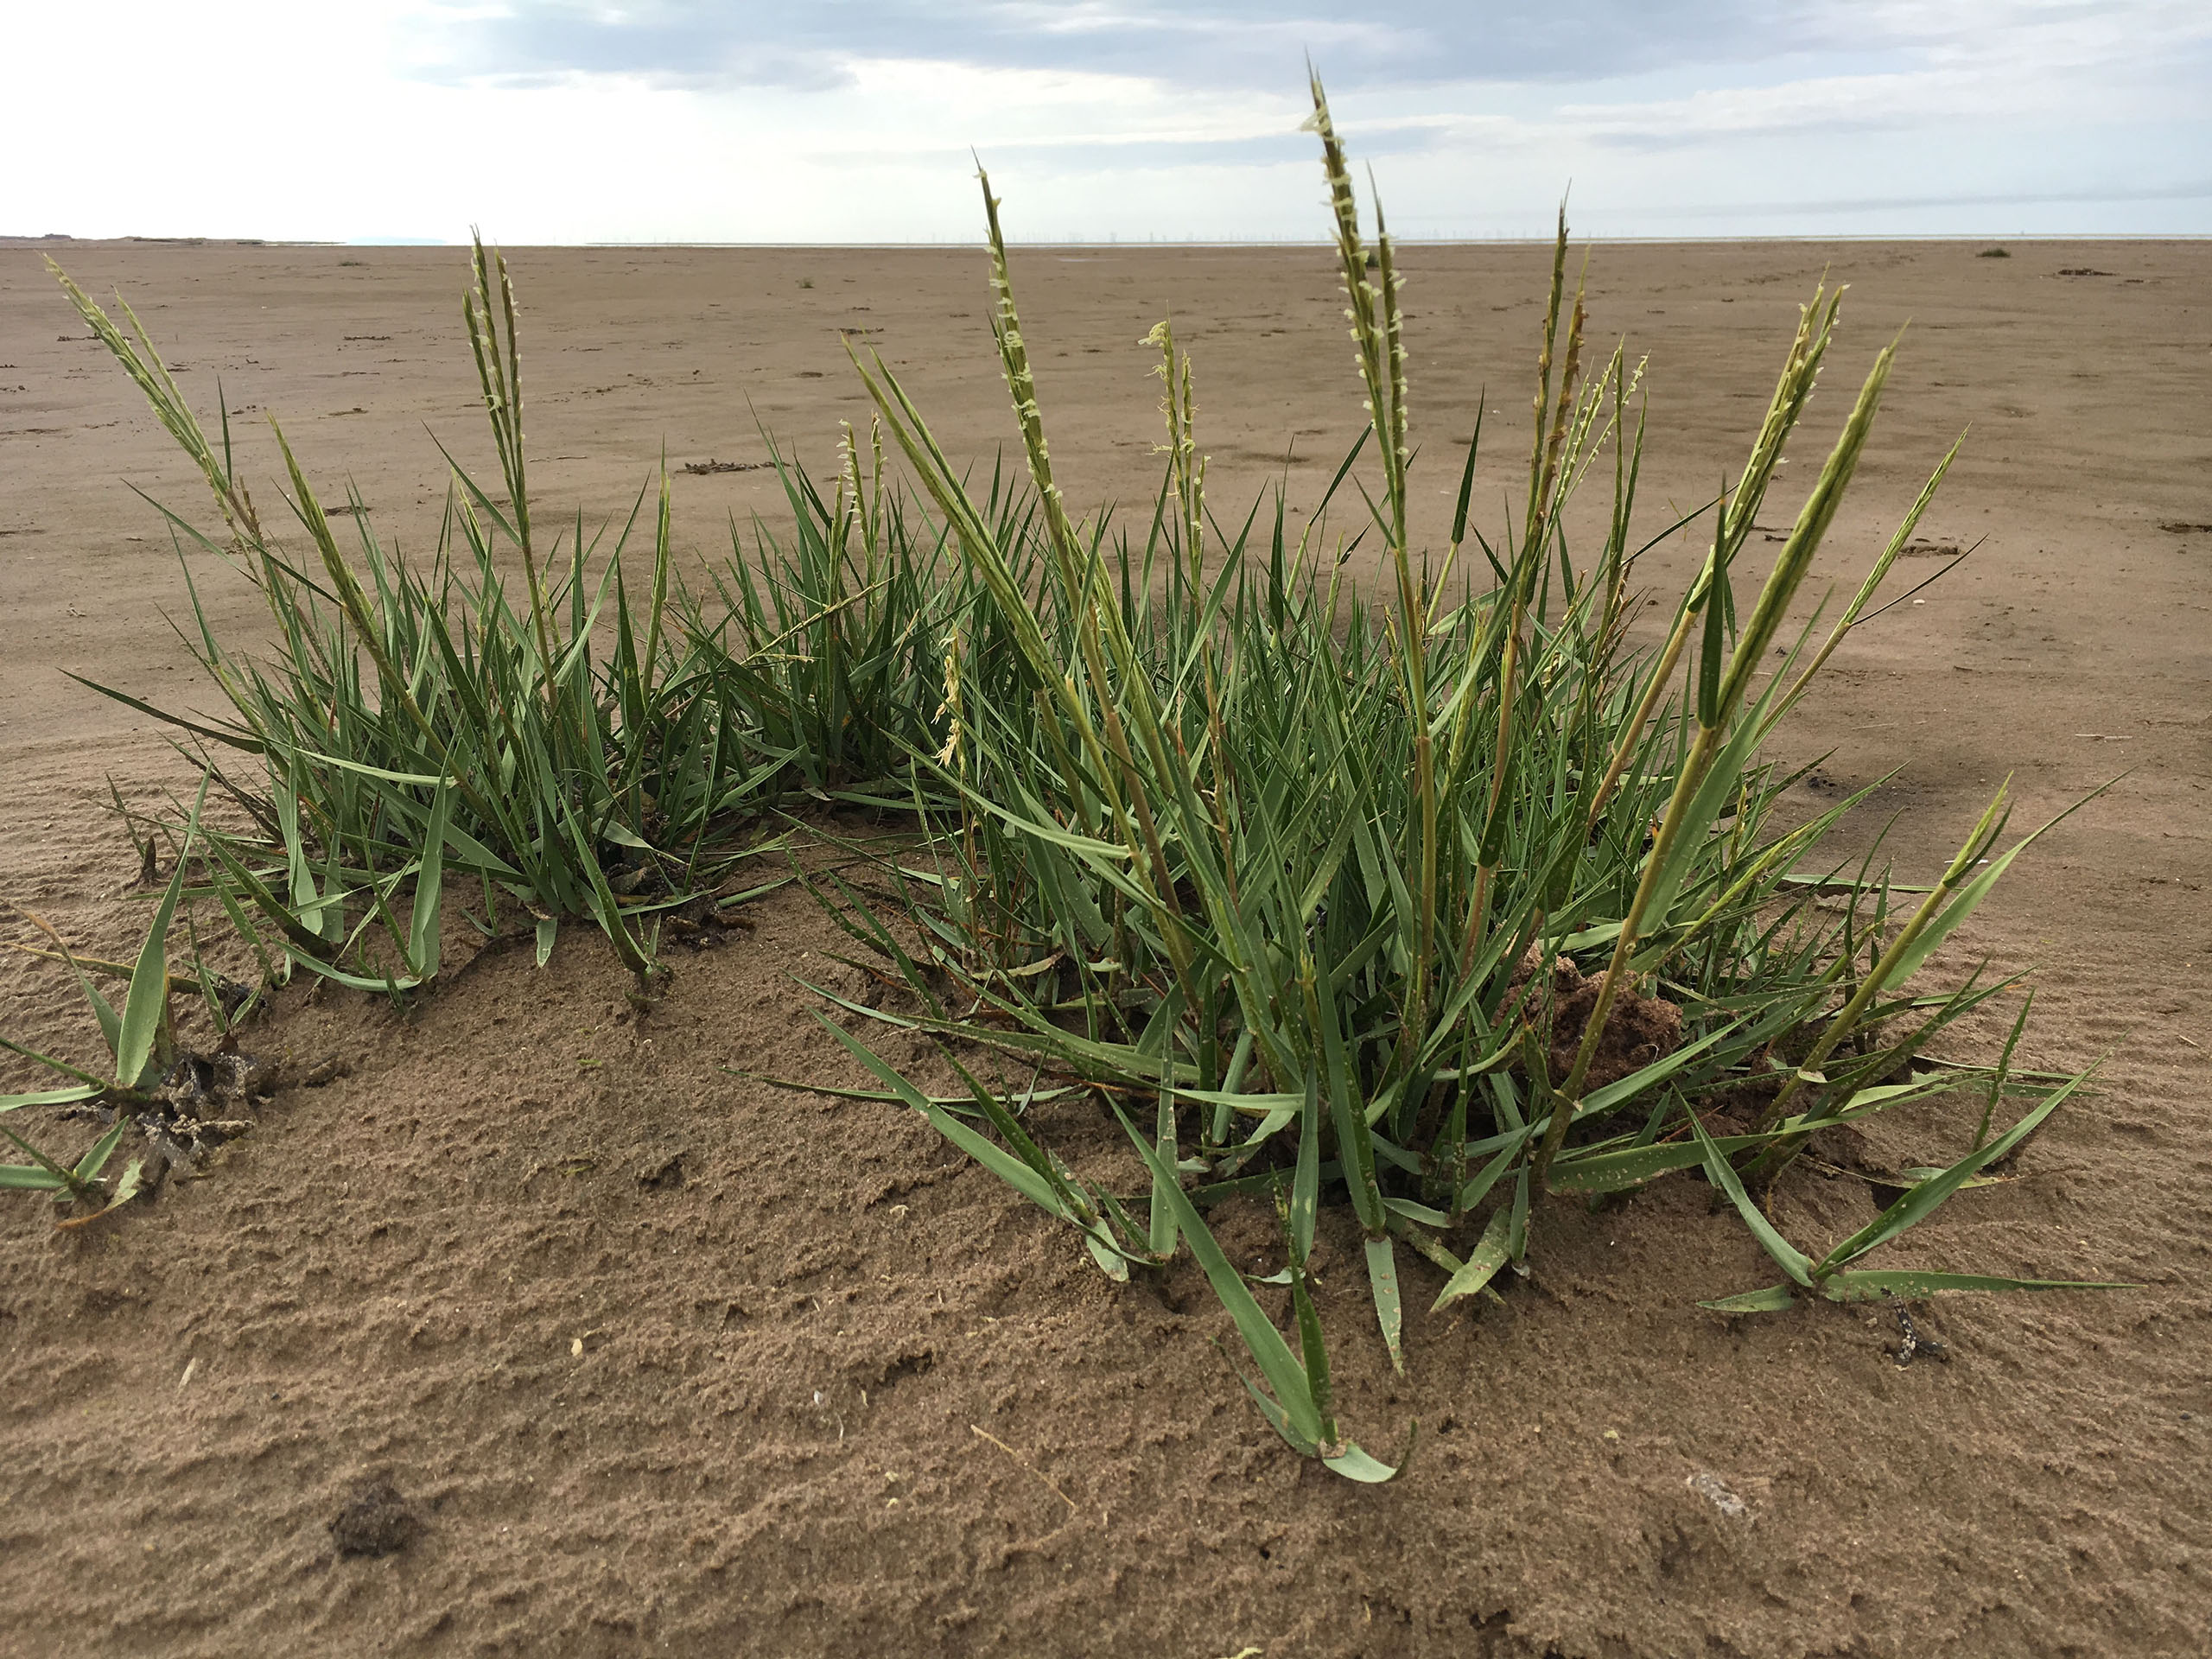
(853, 120)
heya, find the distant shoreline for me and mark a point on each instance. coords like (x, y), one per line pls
(2036, 238)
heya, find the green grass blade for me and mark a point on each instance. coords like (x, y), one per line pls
(1284, 1371)
(143, 1007)
(1389, 1311)
(1921, 1201)
(31, 1177)
(1912, 1284)
(51, 1096)
(1793, 1261)
(429, 882)
(1483, 1263)
(95, 1158)
(1773, 1300)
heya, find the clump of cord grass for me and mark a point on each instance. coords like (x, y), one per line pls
(589, 748)
(1448, 904)
(1450, 907)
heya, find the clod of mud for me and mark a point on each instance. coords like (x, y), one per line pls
(200, 1103)
(375, 1521)
(202, 1100)
(1913, 1340)
(1639, 1029)
(702, 924)
(701, 468)
(326, 1072)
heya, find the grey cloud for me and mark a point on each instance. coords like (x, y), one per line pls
(2197, 190)
(1206, 44)
(1375, 143)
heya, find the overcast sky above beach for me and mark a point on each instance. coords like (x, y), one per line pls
(853, 120)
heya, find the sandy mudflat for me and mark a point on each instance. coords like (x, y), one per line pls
(772, 1439)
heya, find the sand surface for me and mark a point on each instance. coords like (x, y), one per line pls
(663, 1361)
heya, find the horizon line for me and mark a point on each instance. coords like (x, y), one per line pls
(1299, 243)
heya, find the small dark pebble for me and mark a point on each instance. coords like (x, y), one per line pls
(375, 1521)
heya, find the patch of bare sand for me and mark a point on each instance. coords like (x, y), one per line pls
(657, 1360)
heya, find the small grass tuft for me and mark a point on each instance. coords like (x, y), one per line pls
(591, 748)
(151, 1083)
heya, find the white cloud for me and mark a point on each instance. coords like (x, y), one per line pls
(659, 121)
